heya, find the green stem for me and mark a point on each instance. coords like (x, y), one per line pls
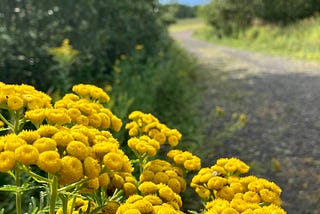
(64, 199)
(53, 194)
(35, 176)
(18, 192)
(6, 121)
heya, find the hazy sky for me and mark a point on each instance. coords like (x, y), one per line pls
(187, 2)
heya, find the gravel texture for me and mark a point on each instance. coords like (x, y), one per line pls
(281, 98)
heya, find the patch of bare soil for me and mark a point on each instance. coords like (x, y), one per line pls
(281, 98)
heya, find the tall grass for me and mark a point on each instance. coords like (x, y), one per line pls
(299, 40)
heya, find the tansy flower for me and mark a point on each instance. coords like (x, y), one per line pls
(29, 136)
(104, 180)
(36, 116)
(62, 138)
(49, 161)
(15, 103)
(7, 161)
(129, 189)
(251, 197)
(132, 211)
(77, 149)
(267, 195)
(174, 184)
(116, 123)
(166, 193)
(12, 142)
(82, 120)
(47, 130)
(153, 199)
(147, 188)
(226, 193)
(71, 170)
(26, 154)
(216, 183)
(110, 207)
(113, 161)
(57, 116)
(45, 144)
(91, 167)
(161, 177)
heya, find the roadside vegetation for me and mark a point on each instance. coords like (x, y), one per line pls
(291, 29)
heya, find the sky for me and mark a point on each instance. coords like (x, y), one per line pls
(186, 2)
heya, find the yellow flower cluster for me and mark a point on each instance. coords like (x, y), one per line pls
(186, 159)
(160, 171)
(225, 192)
(158, 198)
(16, 97)
(65, 53)
(147, 124)
(144, 145)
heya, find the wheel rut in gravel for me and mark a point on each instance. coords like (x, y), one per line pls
(281, 98)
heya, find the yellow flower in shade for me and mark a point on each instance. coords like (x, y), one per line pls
(26, 154)
(139, 47)
(91, 167)
(132, 211)
(49, 161)
(62, 138)
(45, 144)
(129, 189)
(12, 142)
(77, 149)
(110, 207)
(104, 180)
(174, 184)
(143, 206)
(47, 130)
(203, 192)
(268, 196)
(7, 161)
(1, 145)
(71, 170)
(57, 116)
(82, 120)
(116, 123)
(166, 193)
(153, 199)
(36, 116)
(29, 136)
(147, 188)
(134, 198)
(226, 193)
(113, 161)
(1, 123)
(146, 176)
(90, 186)
(161, 177)
(216, 183)
(15, 103)
(117, 181)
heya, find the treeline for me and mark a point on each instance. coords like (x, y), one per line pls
(100, 31)
(229, 17)
(171, 12)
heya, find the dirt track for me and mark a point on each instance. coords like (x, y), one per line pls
(281, 98)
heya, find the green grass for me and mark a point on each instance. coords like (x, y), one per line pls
(299, 40)
(187, 24)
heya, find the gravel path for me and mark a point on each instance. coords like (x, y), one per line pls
(281, 98)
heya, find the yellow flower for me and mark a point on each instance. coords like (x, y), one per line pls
(143, 206)
(36, 116)
(62, 138)
(77, 149)
(153, 199)
(226, 193)
(174, 184)
(216, 183)
(116, 123)
(251, 197)
(161, 177)
(94, 120)
(104, 179)
(71, 170)
(129, 189)
(100, 149)
(146, 176)
(267, 195)
(239, 204)
(12, 142)
(113, 161)
(82, 120)
(7, 161)
(79, 136)
(229, 210)
(193, 164)
(166, 193)
(180, 158)
(15, 103)
(160, 137)
(105, 120)
(117, 181)
(73, 113)
(49, 161)
(57, 116)
(47, 130)
(45, 144)
(173, 140)
(139, 47)
(26, 154)
(147, 188)
(132, 211)
(90, 186)
(29, 136)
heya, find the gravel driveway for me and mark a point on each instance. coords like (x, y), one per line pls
(281, 98)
